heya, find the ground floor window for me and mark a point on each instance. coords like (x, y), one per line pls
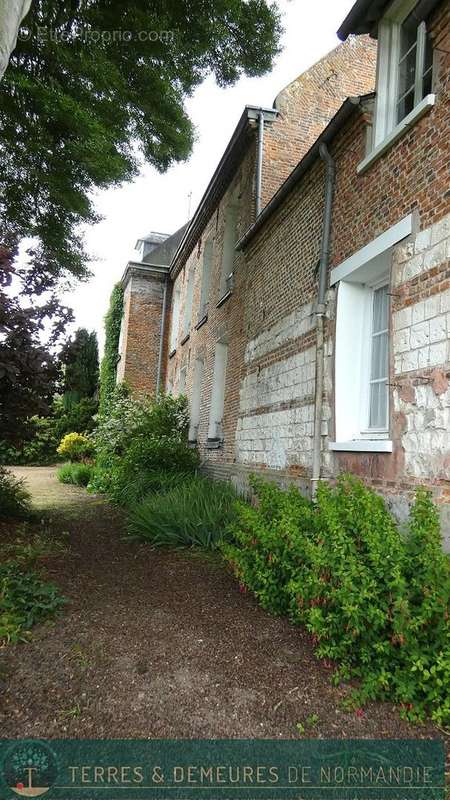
(379, 361)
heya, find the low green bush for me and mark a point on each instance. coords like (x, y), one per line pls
(15, 501)
(195, 513)
(25, 600)
(77, 473)
(75, 447)
(374, 598)
(137, 439)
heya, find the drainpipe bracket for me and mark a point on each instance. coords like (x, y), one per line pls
(320, 309)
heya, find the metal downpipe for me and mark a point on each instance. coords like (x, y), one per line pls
(320, 312)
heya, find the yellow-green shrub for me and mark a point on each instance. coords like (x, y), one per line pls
(75, 447)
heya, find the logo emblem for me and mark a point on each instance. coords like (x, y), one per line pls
(30, 769)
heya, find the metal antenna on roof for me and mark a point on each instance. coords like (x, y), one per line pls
(189, 204)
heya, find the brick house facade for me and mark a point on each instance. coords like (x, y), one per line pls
(251, 359)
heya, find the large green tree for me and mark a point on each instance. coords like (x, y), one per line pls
(79, 358)
(92, 86)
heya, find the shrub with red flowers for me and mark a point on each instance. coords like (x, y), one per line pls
(373, 597)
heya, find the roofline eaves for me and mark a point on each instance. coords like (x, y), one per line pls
(198, 222)
(347, 108)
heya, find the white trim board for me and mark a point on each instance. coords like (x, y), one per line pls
(406, 123)
(370, 251)
(363, 446)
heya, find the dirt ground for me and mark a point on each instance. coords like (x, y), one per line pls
(162, 644)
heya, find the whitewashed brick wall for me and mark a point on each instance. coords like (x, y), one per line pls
(276, 439)
(426, 442)
(421, 334)
(430, 248)
(421, 340)
(290, 379)
(291, 327)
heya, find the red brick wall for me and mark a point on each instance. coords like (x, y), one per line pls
(308, 103)
(305, 105)
(412, 175)
(142, 325)
(222, 321)
(281, 261)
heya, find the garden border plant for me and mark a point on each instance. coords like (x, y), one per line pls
(138, 441)
(78, 474)
(373, 597)
(194, 512)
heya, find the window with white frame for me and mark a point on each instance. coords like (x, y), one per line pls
(215, 430)
(378, 390)
(206, 277)
(175, 319)
(187, 317)
(362, 343)
(196, 397)
(228, 252)
(362, 361)
(405, 66)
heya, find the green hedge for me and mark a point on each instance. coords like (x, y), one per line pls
(374, 598)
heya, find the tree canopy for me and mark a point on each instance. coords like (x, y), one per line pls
(91, 87)
(28, 371)
(79, 359)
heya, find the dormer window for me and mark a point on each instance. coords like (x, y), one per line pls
(405, 65)
(414, 66)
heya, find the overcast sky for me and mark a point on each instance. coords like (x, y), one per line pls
(160, 202)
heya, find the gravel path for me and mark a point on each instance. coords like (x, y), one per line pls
(163, 644)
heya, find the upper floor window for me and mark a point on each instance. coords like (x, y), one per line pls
(414, 66)
(228, 253)
(188, 302)
(405, 66)
(175, 319)
(206, 278)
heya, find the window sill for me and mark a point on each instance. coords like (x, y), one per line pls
(422, 108)
(192, 443)
(201, 322)
(214, 444)
(185, 339)
(172, 352)
(224, 298)
(363, 446)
